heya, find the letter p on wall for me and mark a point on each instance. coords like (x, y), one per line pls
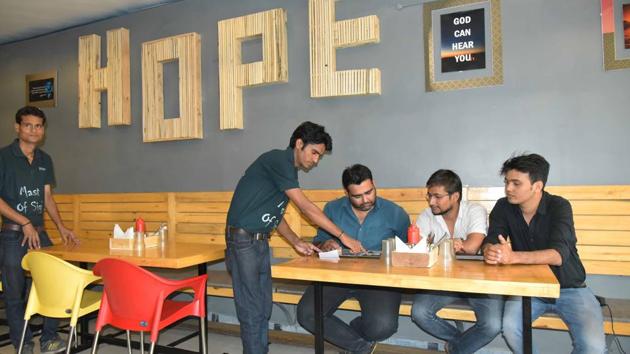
(114, 78)
(234, 75)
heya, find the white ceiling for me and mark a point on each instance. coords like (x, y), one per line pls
(24, 19)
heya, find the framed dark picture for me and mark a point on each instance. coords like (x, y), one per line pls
(462, 41)
(463, 37)
(41, 89)
(616, 34)
(626, 26)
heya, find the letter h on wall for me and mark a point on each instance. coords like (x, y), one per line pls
(114, 78)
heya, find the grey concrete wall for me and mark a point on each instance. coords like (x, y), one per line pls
(556, 100)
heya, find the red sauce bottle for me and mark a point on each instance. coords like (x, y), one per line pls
(413, 234)
(139, 225)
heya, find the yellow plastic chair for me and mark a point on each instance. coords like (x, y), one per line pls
(58, 290)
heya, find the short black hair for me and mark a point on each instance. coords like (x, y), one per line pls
(29, 111)
(311, 133)
(355, 174)
(533, 164)
(447, 179)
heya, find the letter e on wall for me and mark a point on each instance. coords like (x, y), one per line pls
(326, 35)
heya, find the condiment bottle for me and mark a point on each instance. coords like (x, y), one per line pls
(413, 234)
(139, 234)
(140, 225)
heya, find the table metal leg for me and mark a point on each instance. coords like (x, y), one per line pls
(85, 338)
(319, 318)
(527, 325)
(203, 342)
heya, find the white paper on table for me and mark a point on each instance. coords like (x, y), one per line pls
(330, 255)
(420, 247)
(118, 233)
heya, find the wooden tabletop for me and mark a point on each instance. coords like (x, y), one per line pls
(459, 276)
(174, 254)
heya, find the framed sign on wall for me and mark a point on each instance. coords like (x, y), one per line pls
(462, 40)
(41, 89)
(616, 34)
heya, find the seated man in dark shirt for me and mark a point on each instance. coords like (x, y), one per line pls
(370, 219)
(531, 226)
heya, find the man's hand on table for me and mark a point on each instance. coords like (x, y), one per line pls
(355, 246)
(68, 236)
(500, 253)
(458, 245)
(305, 248)
(329, 245)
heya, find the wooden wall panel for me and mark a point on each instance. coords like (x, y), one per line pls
(234, 75)
(114, 78)
(201, 216)
(99, 212)
(186, 49)
(326, 35)
(602, 224)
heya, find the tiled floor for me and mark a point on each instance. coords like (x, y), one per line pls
(217, 344)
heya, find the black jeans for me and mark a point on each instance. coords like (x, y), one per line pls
(378, 319)
(15, 286)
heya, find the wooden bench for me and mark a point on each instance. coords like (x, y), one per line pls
(602, 220)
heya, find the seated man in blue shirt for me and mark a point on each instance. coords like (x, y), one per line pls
(370, 219)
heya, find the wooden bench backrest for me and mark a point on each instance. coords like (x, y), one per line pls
(602, 217)
(602, 222)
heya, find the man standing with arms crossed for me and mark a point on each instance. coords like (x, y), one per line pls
(26, 179)
(464, 222)
(531, 226)
(257, 208)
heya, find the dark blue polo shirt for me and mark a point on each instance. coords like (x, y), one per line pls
(259, 200)
(22, 183)
(385, 220)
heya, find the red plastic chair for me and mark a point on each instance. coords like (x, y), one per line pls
(135, 299)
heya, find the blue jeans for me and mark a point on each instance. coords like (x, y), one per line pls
(378, 320)
(248, 262)
(15, 287)
(488, 311)
(577, 307)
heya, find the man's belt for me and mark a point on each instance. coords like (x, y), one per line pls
(18, 228)
(237, 231)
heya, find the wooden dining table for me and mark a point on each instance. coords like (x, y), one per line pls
(457, 275)
(172, 255)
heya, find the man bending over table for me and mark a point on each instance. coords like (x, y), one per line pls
(256, 209)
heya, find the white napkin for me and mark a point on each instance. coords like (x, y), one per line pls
(420, 247)
(118, 232)
(334, 254)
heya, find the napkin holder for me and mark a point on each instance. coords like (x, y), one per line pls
(151, 241)
(121, 240)
(125, 240)
(415, 259)
(128, 244)
(121, 244)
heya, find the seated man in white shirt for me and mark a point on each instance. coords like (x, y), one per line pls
(465, 223)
